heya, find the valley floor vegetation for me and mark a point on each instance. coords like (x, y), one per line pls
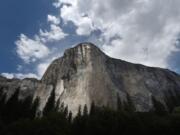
(21, 117)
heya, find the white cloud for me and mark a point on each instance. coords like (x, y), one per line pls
(140, 31)
(40, 69)
(30, 50)
(19, 75)
(85, 26)
(81, 20)
(53, 19)
(55, 34)
(37, 50)
(8, 75)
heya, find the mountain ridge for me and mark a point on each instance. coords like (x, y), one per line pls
(84, 74)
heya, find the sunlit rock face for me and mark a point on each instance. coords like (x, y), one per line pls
(84, 74)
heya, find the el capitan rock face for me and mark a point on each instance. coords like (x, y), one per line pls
(85, 75)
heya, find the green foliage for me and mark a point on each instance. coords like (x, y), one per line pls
(176, 110)
(14, 109)
(54, 124)
(96, 121)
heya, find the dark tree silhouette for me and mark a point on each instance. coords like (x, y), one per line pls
(79, 114)
(34, 107)
(65, 112)
(92, 108)
(50, 105)
(12, 107)
(119, 103)
(70, 117)
(85, 110)
(159, 108)
(2, 102)
(129, 105)
(57, 105)
(25, 107)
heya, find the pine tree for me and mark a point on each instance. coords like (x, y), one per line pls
(177, 93)
(12, 107)
(70, 117)
(50, 105)
(172, 99)
(2, 102)
(34, 107)
(92, 108)
(2, 106)
(1, 92)
(85, 110)
(159, 108)
(65, 112)
(169, 101)
(61, 108)
(119, 103)
(129, 105)
(26, 107)
(57, 105)
(79, 112)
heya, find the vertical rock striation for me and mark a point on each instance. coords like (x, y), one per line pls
(85, 75)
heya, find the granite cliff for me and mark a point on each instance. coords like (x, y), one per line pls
(84, 74)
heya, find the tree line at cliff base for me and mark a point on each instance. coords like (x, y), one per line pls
(22, 117)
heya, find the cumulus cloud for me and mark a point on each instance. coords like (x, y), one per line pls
(39, 68)
(8, 75)
(19, 75)
(140, 31)
(30, 50)
(81, 20)
(36, 51)
(55, 34)
(33, 49)
(53, 19)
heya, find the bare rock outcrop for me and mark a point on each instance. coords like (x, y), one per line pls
(84, 74)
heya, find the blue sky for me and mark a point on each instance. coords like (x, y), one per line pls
(35, 32)
(19, 16)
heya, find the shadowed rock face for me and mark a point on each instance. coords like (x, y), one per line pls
(85, 75)
(27, 87)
